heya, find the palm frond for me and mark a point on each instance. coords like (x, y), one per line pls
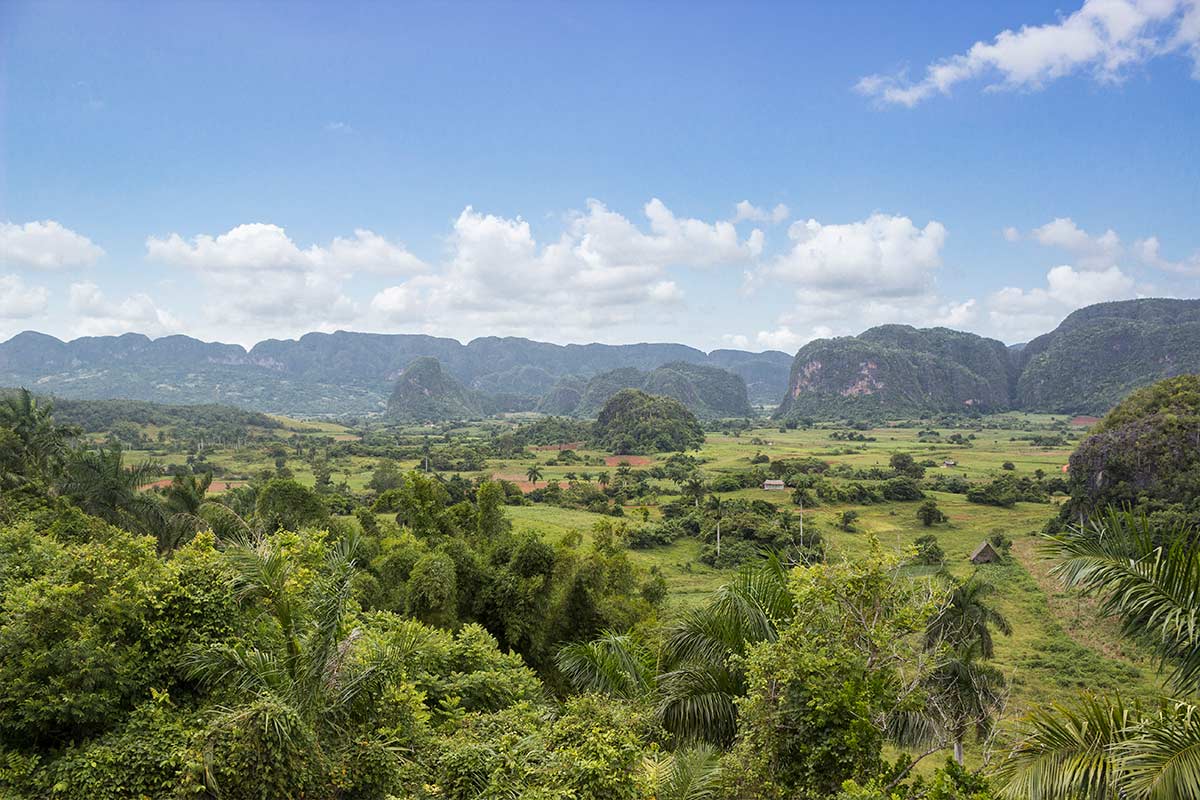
(1067, 753)
(697, 702)
(1149, 578)
(613, 664)
(690, 773)
(1161, 759)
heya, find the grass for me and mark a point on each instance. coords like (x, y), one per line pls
(1060, 643)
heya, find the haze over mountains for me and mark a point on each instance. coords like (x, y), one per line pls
(1094, 358)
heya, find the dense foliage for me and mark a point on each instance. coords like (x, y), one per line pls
(706, 391)
(425, 392)
(1145, 455)
(1099, 354)
(635, 422)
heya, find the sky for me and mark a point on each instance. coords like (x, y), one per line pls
(749, 175)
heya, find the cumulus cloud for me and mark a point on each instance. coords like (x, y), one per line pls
(19, 300)
(1096, 252)
(261, 275)
(1011, 234)
(258, 246)
(1104, 38)
(602, 271)
(1148, 251)
(746, 211)
(99, 316)
(883, 255)
(45, 245)
(1025, 313)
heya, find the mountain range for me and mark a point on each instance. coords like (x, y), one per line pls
(343, 372)
(1096, 356)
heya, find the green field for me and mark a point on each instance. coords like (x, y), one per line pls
(1060, 644)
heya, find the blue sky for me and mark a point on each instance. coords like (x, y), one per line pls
(573, 172)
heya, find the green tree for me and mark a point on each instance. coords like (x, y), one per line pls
(285, 504)
(99, 482)
(929, 552)
(295, 682)
(967, 619)
(534, 474)
(694, 488)
(929, 513)
(490, 521)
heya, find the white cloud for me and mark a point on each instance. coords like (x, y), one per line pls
(45, 245)
(1021, 314)
(1104, 37)
(1011, 234)
(258, 246)
(261, 275)
(20, 301)
(782, 338)
(746, 211)
(98, 316)
(883, 255)
(602, 272)
(1092, 252)
(1148, 251)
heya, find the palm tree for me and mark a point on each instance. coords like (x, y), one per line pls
(694, 488)
(967, 619)
(1150, 579)
(965, 693)
(703, 671)
(99, 483)
(186, 505)
(689, 773)
(614, 664)
(42, 441)
(534, 474)
(296, 678)
(717, 506)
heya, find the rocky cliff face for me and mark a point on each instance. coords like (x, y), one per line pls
(898, 369)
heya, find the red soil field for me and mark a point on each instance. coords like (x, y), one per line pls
(215, 486)
(1083, 421)
(633, 461)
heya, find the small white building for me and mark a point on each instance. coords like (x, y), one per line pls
(772, 485)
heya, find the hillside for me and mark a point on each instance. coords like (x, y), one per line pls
(1101, 353)
(1144, 454)
(898, 369)
(635, 422)
(706, 391)
(339, 373)
(424, 392)
(1096, 357)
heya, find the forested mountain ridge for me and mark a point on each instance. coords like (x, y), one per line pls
(899, 369)
(425, 393)
(1101, 353)
(1097, 356)
(706, 391)
(342, 372)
